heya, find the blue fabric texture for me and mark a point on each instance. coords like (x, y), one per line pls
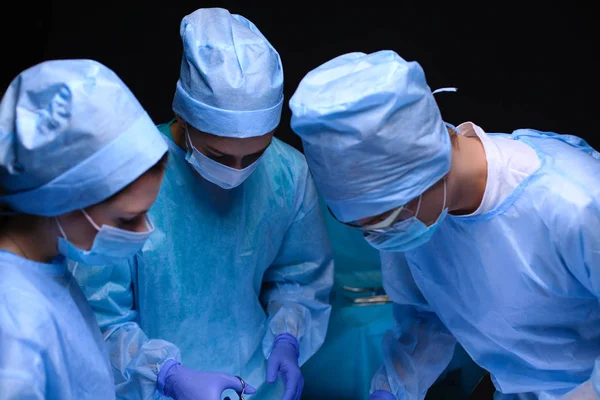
(231, 80)
(72, 135)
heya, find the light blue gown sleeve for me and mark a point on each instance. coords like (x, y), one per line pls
(135, 359)
(579, 241)
(22, 374)
(297, 285)
(419, 348)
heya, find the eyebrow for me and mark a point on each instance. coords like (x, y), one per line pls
(215, 151)
(221, 154)
(136, 214)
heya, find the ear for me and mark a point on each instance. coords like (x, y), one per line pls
(178, 130)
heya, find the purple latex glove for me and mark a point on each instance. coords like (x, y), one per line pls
(182, 383)
(284, 361)
(381, 395)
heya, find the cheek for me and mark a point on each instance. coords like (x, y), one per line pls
(200, 148)
(413, 207)
(154, 189)
(81, 233)
(430, 213)
(430, 221)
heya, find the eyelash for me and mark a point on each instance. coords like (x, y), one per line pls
(127, 222)
(214, 155)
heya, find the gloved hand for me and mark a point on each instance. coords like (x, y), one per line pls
(182, 383)
(284, 361)
(381, 395)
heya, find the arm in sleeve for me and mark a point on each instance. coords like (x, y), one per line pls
(22, 374)
(25, 370)
(297, 286)
(135, 359)
(581, 251)
(419, 348)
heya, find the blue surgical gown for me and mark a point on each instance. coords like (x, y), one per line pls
(50, 344)
(517, 286)
(224, 273)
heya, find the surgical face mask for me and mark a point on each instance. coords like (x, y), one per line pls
(110, 244)
(215, 172)
(408, 234)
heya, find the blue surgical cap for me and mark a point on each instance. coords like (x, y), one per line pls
(231, 81)
(71, 135)
(372, 133)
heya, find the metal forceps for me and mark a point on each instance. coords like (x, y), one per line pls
(241, 394)
(374, 295)
(243, 387)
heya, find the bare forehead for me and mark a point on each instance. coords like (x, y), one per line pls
(137, 196)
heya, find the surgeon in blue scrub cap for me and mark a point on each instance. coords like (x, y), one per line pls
(238, 273)
(80, 164)
(488, 240)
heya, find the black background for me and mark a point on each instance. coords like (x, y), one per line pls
(515, 66)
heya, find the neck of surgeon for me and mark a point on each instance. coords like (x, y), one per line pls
(31, 237)
(467, 178)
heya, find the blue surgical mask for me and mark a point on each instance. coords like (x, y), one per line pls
(215, 172)
(408, 234)
(110, 244)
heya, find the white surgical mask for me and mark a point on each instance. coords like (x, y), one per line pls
(110, 244)
(215, 172)
(408, 234)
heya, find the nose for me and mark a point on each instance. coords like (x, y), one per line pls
(142, 226)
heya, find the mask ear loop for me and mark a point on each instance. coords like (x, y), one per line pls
(60, 228)
(188, 140)
(443, 204)
(64, 235)
(90, 220)
(149, 224)
(445, 197)
(418, 206)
